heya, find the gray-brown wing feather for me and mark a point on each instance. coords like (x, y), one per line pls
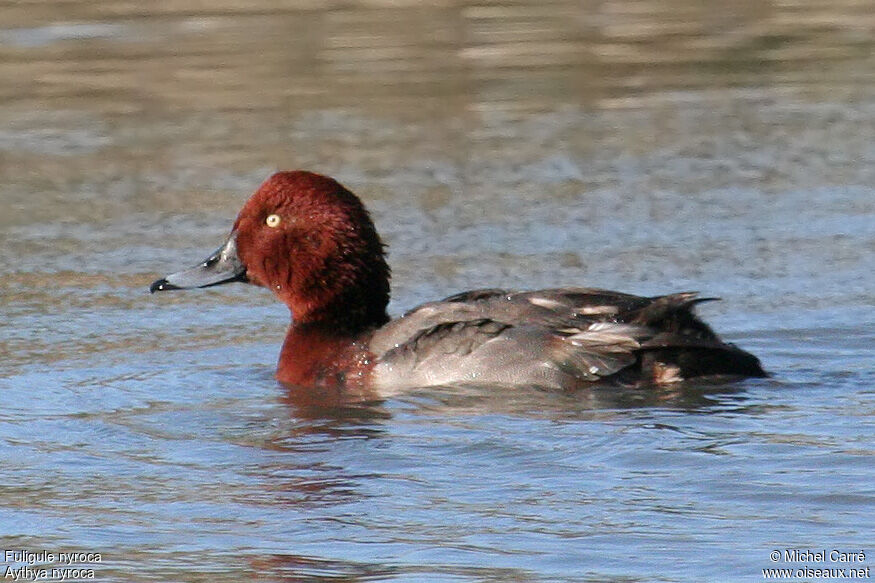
(552, 308)
(554, 338)
(550, 337)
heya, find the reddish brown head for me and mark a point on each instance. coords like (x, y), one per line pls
(310, 241)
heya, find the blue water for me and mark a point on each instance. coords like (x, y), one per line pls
(629, 148)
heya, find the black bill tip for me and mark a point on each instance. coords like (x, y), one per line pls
(161, 285)
(223, 266)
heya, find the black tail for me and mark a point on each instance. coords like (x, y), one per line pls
(685, 347)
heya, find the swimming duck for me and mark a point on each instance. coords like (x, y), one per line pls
(311, 242)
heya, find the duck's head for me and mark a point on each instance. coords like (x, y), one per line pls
(310, 241)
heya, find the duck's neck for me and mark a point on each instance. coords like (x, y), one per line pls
(344, 298)
(332, 319)
(350, 314)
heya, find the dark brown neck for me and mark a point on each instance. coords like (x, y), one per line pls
(346, 318)
(358, 302)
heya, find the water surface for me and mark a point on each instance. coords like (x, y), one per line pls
(643, 146)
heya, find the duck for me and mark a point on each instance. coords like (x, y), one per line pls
(311, 241)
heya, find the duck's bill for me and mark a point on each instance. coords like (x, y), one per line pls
(223, 266)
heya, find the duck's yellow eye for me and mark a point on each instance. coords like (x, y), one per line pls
(273, 221)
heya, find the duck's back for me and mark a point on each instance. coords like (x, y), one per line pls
(555, 338)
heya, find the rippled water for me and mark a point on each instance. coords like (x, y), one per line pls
(644, 146)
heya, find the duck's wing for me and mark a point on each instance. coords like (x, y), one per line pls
(557, 338)
(551, 308)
